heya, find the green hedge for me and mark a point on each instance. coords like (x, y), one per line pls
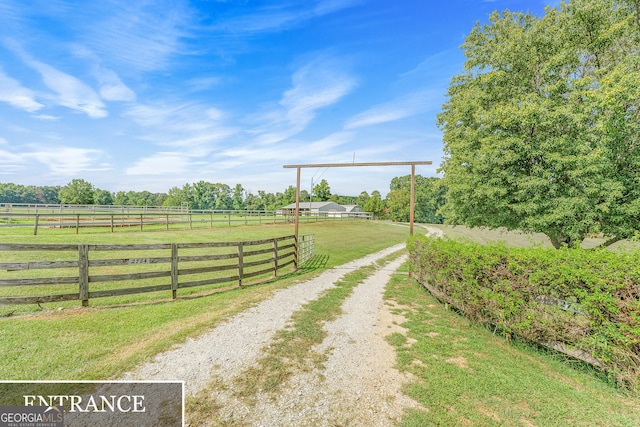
(583, 302)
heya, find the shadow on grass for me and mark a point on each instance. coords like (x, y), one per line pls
(315, 262)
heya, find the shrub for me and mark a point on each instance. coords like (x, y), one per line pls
(585, 303)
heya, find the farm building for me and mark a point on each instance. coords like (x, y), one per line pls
(314, 208)
(353, 208)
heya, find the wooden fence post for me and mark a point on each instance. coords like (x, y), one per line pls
(240, 263)
(296, 252)
(35, 225)
(141, 222)
(174, 270)
(83, 274)
(275, 257)
(77, 223)
(112, 223)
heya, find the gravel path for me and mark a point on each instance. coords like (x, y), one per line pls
(358, 385)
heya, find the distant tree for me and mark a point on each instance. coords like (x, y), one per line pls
(269, 200)
(120, 199)
(47, 194)
(238, 198)
(204, 196)
(398, 204)
(322, 191)
(363, 198)
(375, 205)
(430, 196)
(286, 198)
(77, 192)
(253, 202)
(177, 196)
(224, 198)
(102, 197)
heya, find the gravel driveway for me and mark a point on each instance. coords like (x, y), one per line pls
(358, 387)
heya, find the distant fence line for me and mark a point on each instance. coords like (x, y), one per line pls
(204, 263)
(66, 207)
(41, 216)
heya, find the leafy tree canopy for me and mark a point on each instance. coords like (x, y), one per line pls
(541, 129)
(322, 191)
(77, 192)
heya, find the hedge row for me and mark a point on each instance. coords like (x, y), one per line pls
(585, 303)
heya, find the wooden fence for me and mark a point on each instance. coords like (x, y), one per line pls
(51, 218)
(93, 273)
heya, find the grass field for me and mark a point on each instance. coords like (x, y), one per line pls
(115, 334)
(463, 373)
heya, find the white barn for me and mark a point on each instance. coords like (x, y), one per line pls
(314, 208)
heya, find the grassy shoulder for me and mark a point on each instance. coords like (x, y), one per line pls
(103, 342)
(466, 375)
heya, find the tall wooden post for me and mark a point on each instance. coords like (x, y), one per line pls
(296, 219)
(412, 204)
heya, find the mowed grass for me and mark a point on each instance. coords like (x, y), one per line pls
(103, 342)
(519, 238)
(465, 375)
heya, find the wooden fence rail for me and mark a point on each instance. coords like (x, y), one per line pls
(144, 219)
(153, 267)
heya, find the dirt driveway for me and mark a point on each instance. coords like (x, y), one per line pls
(358, 385)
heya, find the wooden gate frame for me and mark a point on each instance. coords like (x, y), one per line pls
(342, 165)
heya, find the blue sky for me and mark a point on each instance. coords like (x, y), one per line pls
(151, 94)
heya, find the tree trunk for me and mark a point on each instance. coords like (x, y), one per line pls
(560, 241)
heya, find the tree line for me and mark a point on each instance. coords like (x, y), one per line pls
(429, 194)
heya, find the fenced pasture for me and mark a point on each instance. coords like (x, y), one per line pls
(112, 218)
(41, 273)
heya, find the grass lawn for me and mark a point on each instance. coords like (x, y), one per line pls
(114, 335)
(464, 375)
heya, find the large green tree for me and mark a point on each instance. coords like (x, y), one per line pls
(322, 191)
(541, 129)
(77, 192)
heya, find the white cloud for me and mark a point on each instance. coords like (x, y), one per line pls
(193, 128)
(204, 83)
(67, 161)
(111, 87)
(46, 117)
(318, 84)
(72, 92)
(178, 117)
(161, 164)
(9, 162)
(282, 16)
(324, 7)
(400, 108)
(13, 93)
(138, 35)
